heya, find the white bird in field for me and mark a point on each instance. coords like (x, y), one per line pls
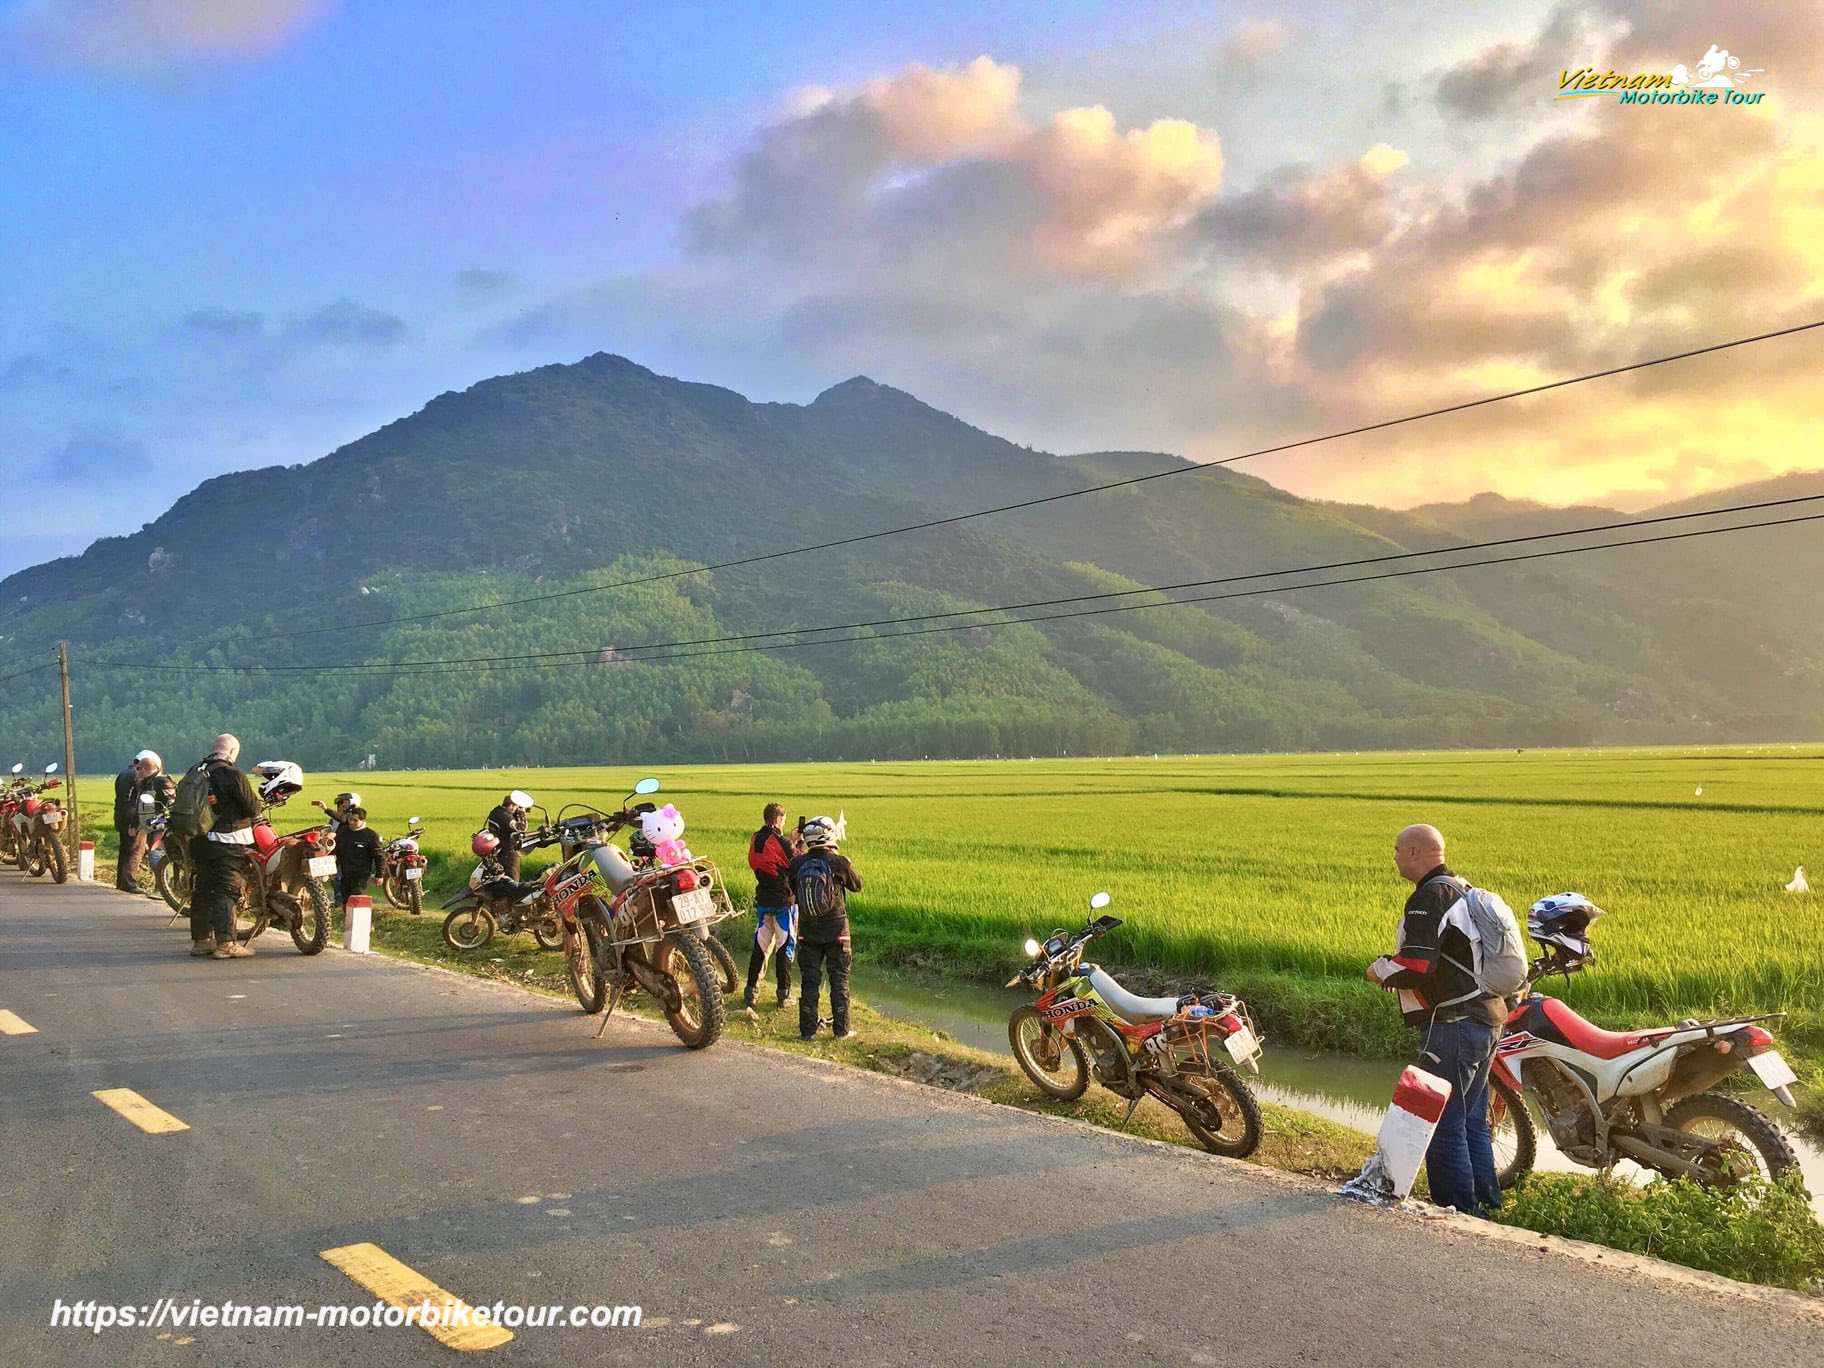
(1700, 790)
(1798, 884)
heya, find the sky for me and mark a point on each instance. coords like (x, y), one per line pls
(240, 233)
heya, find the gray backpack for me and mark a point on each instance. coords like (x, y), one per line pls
(1500, 965)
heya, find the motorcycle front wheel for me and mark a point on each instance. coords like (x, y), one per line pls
(1510, 1126)
(311, 932)
(548, 932)
(586, 967)
(1054, 1062)
(468, 928)
(35, 863)
(1219, 1110)
(392, 887)
(1752, 1145)
(724, 963)
(700, 1015)
(175, 884)
(56, 861)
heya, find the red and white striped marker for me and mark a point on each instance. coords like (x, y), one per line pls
(85, 861)
(1406, 1131)
(358, 915)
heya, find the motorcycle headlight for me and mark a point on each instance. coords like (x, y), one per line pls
(1032, 947)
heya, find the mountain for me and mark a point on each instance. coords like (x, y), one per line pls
(560, 479)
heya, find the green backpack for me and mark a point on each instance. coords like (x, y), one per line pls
(191, 814)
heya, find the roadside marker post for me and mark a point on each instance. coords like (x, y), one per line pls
(85, 862)
(359, 915)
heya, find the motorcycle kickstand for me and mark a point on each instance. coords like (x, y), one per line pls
(1132, 1103)
(614, 998)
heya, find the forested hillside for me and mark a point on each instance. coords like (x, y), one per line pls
(569, 477)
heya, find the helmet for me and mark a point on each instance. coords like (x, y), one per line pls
(1562, 922)
(348, 800)
(520, 798)
(486, 843)
(824, 831)
(637, 844)
(279, 779)
(151, 757)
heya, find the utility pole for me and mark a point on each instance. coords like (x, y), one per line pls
(69, 749)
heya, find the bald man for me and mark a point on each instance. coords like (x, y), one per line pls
(219, 855)
(1458, 1024)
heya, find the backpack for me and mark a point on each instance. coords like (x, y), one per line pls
(1499, 954)
(819, 890)
(191, 814)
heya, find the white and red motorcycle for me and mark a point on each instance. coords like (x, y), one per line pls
(1643, 1096)
(37, 828)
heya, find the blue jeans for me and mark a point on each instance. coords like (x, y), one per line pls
(1461, 1160)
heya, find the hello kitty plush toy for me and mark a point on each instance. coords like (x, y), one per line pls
(664, 828)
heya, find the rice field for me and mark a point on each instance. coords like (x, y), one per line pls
(1271, 873)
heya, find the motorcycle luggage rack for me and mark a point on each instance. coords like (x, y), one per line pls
(643, 914)
(1185, 1041)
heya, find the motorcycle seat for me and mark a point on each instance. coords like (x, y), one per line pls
(1592, 1039)
(1130, 1007)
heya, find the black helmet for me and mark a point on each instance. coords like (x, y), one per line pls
(1561, 923)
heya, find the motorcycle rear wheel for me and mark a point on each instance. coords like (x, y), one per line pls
(700, 1014)
(1066, 1076)
(1752, 1138)
(57, 861)
(1510, 1125)
(468, 928)
(414, 897)
(548, 932)
(1220, 1111)
(311, 933)
(586, 968)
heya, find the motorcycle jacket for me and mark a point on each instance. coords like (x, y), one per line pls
(1430, 955)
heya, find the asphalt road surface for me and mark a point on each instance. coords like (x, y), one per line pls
(756, 1207)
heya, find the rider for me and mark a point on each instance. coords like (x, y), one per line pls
(821, 880)
(357, 855)
(144, 776)
(492, 881)
(219, 855)
(508, 823)
(338, 816)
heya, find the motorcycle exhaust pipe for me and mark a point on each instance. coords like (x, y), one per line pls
(1659, 1160)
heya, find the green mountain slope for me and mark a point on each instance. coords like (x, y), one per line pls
(568, 477)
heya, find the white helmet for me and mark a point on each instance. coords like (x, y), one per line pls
(279, 779)
(151, 757)
(825, 831)
(520, 799)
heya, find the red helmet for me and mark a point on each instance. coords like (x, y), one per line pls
(486, 843)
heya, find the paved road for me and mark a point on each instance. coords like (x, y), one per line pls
(760, 1209)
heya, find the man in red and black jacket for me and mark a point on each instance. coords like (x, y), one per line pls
(1458, 1023)
(769, 855)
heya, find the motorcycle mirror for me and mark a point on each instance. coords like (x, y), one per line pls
(1032, 946)
(18, 767)
(647, 785)
(51, 768)
(413, 821)
(1100, 901)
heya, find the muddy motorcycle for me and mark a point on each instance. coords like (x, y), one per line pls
(1184, 1051)
(643, 858)
(12, 801)
(474, 915)
(401, 872)
(37, 824)
(1644, 1096)
(628, 930)
(168, 857)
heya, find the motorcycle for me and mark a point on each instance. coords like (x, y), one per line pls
(401, 872)
(475, 912)
(168, 857)
(1183, 1051)
(643, 856)
(12, 797)
(1637, 1095)
(37, 825)
(627, 929)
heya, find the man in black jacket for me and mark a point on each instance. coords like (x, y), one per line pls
(508, 822)
(821, 880)
(126, 827)
(220, 854)
(1458, 1023)
(357, 854)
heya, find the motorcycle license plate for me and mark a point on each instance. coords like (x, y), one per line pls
(1772, 1069)
(323, 866)
(414, 873)
(1242, 1045)
(692, 906)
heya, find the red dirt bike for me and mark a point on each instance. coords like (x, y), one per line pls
(401, 872)
(12, 799)
(36, 827)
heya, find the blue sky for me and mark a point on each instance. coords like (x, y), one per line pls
(241, 232)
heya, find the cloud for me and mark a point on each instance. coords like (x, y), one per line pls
(92, 453)
(1253, 39)
(477, 284)
(136, 36)
(345, 323)
(225, 325)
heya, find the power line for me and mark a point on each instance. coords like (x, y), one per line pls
(1379, 426)
(509, 663)
(1460, 548)
(21, 674)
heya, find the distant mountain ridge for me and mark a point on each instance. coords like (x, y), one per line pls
(570, 476)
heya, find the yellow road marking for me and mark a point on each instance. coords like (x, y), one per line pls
(404, 1287)
(150, 1119)
(14, 1025)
